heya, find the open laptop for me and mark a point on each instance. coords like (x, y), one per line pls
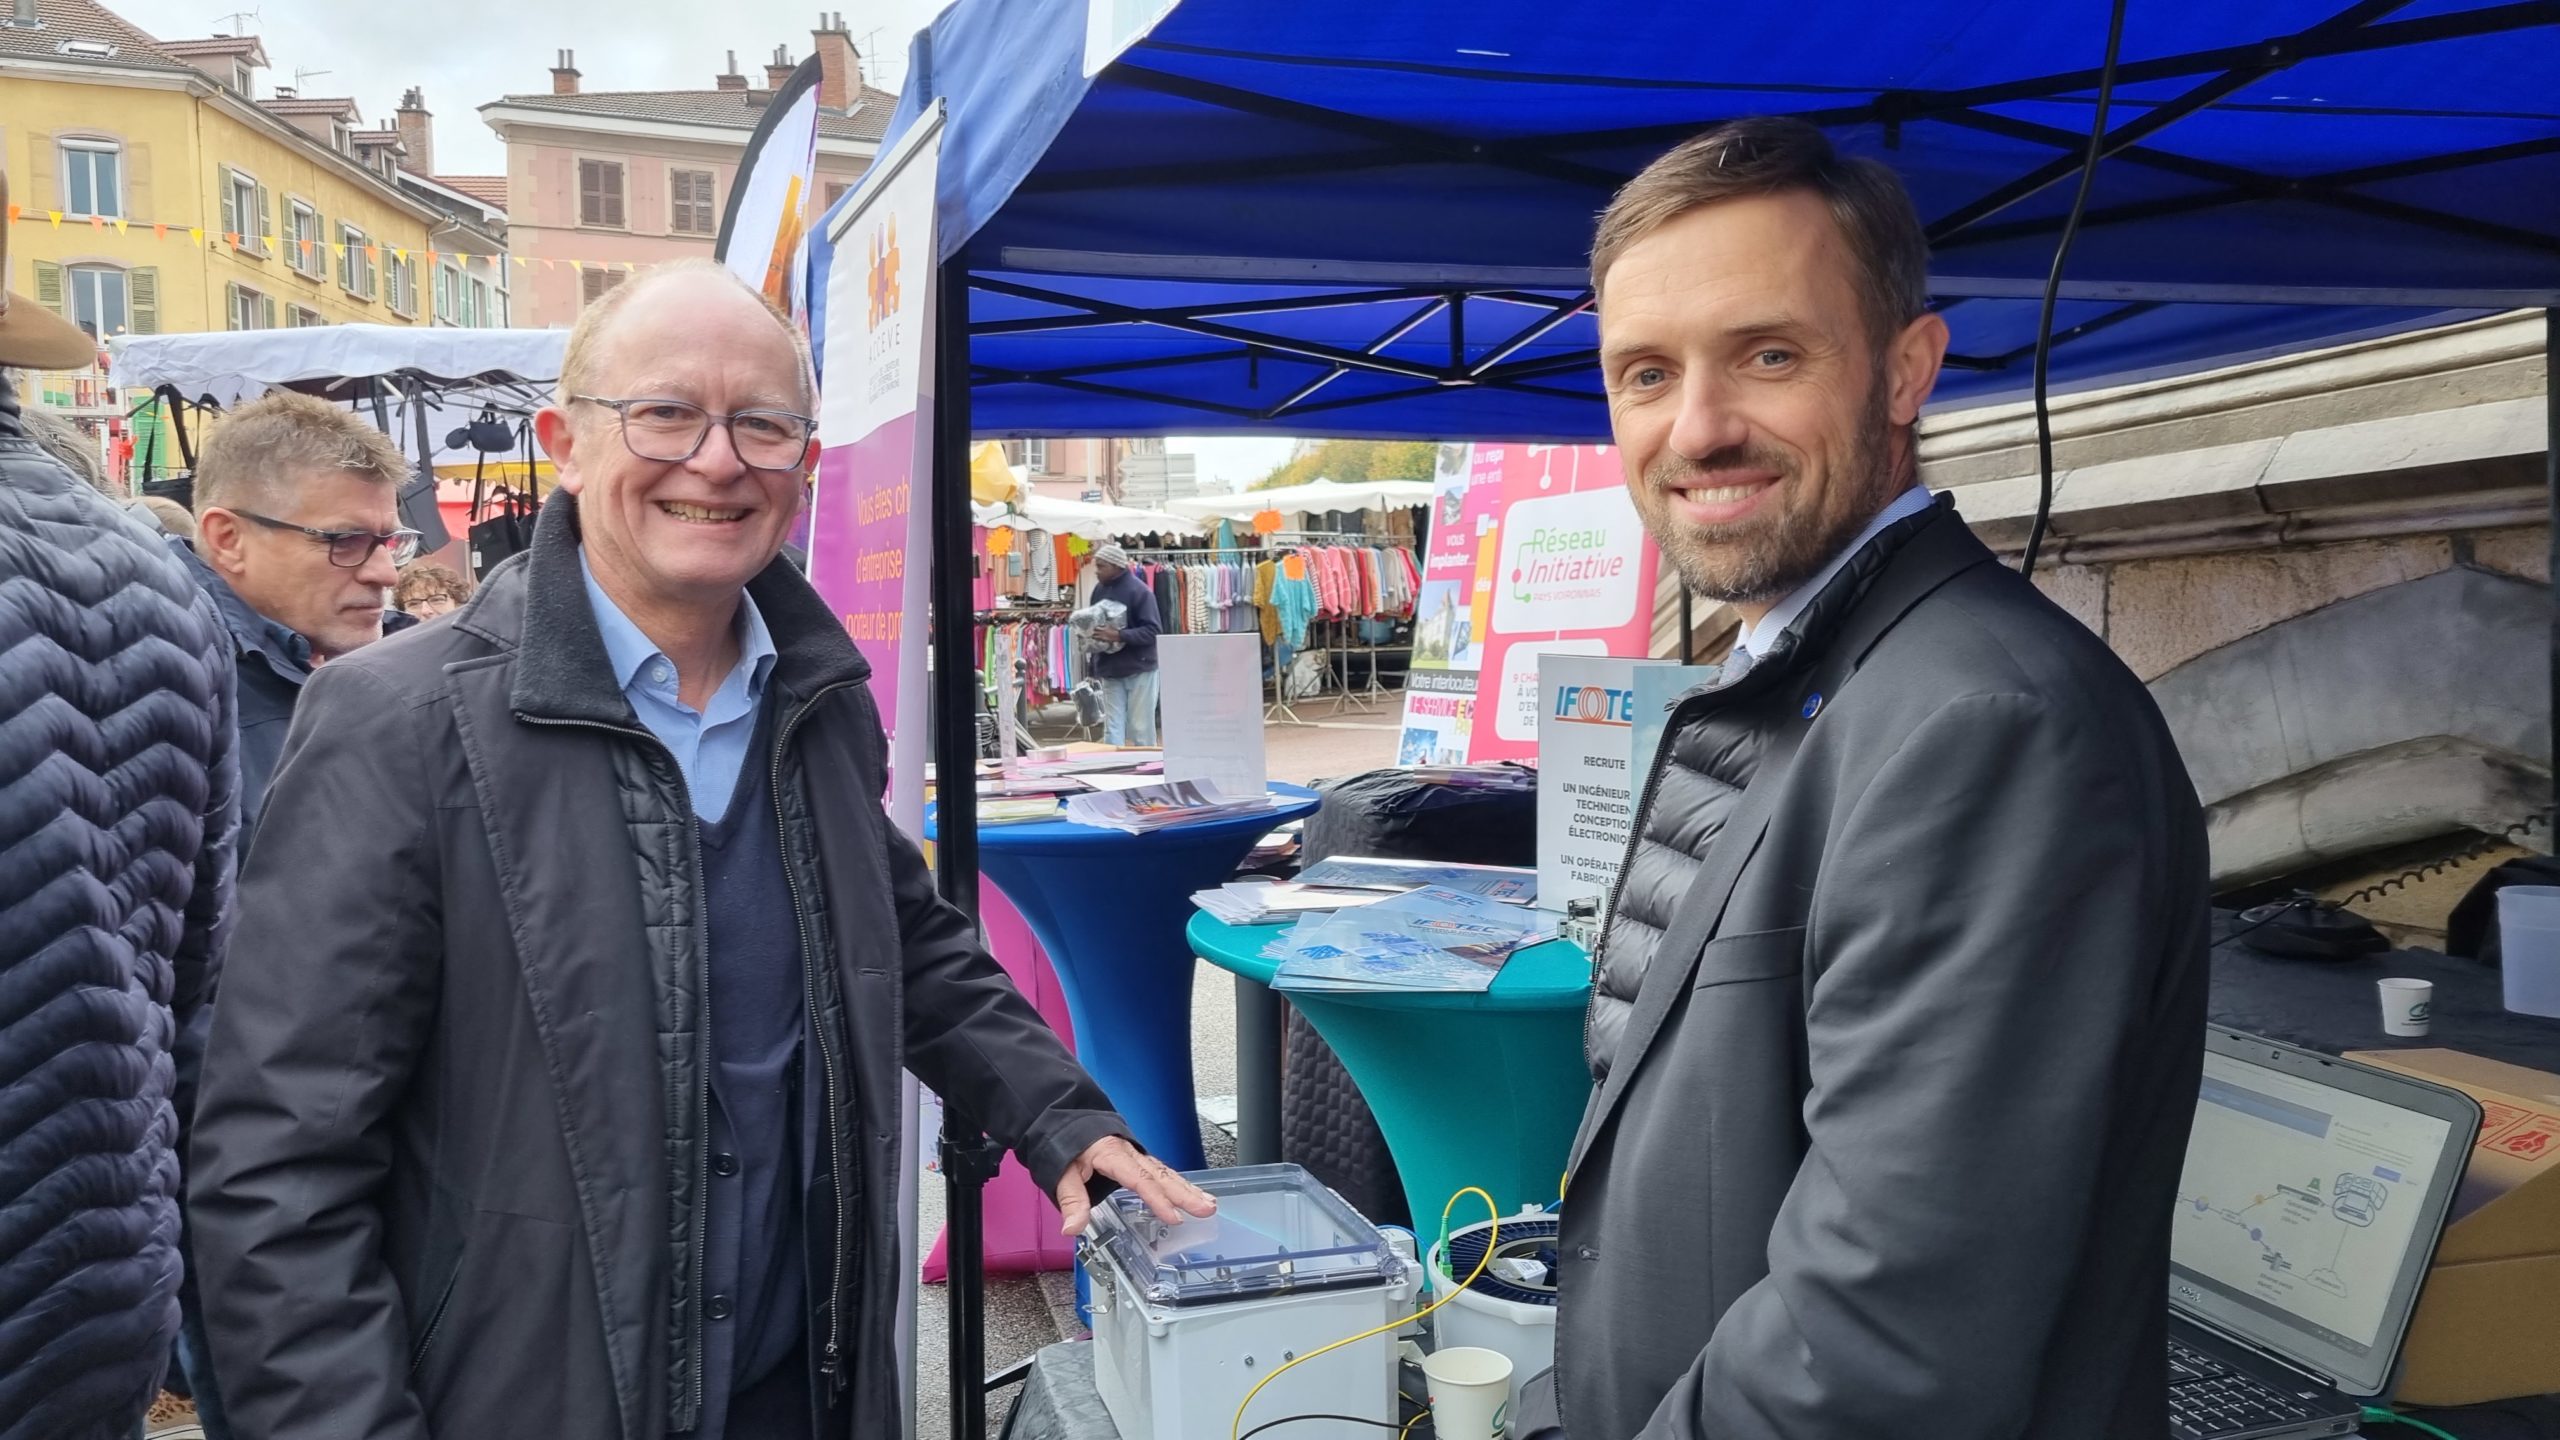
(2314, 1192)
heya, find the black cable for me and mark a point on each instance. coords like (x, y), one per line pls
(2053, 290)
(1346, 1419)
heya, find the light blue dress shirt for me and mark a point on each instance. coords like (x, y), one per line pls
(1755, 640)
(711, 744)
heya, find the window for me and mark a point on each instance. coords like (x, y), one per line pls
(251, 310)
(835, 191)
(245, 212)
(92, 178)
(448, 288)
(483, 313)
(600, 193)
(303, 317)
(240, 76)
(355, 268)
(304, 249)
(1035, 456)
(692, 215)
(339, 139)
(400, 284)
(596, 280)
(98, 301)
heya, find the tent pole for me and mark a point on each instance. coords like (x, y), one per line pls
(2551, 489)
(969, 1160)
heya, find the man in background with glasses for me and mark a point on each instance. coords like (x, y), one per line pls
(298, 543)
(556, 1086)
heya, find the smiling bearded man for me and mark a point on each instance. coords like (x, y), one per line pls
(1899, 1017)
(555, 1087)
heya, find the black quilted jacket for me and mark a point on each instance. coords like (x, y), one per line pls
(118, 811)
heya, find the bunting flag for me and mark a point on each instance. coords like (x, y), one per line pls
(294, 249)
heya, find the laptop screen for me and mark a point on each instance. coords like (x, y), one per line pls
(2312, 1197)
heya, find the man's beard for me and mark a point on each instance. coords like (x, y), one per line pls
(1765, 557)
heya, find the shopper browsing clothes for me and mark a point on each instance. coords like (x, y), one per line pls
(1898, 1026)
(1124, 660)
(554, 1088)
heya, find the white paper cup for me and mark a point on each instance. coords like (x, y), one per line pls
(1470, 1392)
(2407, 1005)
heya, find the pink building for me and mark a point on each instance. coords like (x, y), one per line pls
(598, 179)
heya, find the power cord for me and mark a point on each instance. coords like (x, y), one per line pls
(2053, 289)
(2379, 1415)
(1344, 1419)
(1237, 1431)
(2513, 834)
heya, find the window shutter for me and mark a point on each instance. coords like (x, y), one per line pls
(265, 222)
(230, 204)
(231, 306)
(613, 195)
(137, 183)
(266, 312)
(49, 286)
(143, 286)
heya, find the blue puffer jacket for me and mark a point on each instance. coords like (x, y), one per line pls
(119, 810)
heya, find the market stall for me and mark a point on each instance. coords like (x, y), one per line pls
(1339, 218)
(460, 401)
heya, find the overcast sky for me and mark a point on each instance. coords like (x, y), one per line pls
(466, 53)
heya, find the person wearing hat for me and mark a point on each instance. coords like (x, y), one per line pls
(117, 841)
(1127, 674)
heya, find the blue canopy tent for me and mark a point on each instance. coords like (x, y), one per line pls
(1347, 217)
(1341, 217)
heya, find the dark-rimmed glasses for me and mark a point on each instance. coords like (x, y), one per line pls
(348, 549)
(671, 431)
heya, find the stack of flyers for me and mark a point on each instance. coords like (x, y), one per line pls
(1429, 939)
(1255, 903)
(1509, 884)
(1155, 807)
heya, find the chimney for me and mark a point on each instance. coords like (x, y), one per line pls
(284, 92)
(564, 76)
(23, 15)
(839, 64)
(779, 68)
(730, 79)
(418, 131)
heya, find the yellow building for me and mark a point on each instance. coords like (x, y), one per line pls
(154, 194)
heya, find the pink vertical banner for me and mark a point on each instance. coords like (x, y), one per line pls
(869, 521)
(1569, 570)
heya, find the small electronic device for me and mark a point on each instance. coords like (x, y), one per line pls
(1189, 1319)
(2313, 1195)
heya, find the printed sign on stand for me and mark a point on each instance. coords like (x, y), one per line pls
(1586, 790)
(1211, 688)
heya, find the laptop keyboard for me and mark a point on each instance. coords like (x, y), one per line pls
(2207, 1397)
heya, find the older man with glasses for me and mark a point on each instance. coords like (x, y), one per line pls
(555, 1090)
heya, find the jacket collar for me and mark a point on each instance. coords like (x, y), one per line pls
(536, 605)
(1935, 537)
(283, 650)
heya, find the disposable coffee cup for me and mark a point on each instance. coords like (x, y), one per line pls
(2407, 1005)
(1470, 1392)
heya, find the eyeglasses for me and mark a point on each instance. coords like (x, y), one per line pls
(348, 549)
(670, 431)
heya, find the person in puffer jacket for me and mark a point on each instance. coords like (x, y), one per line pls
(118, 814)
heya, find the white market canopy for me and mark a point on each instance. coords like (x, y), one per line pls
(235, 366)
(1077, 517)
(1314, 497)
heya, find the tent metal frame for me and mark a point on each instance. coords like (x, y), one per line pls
(2218, 73)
